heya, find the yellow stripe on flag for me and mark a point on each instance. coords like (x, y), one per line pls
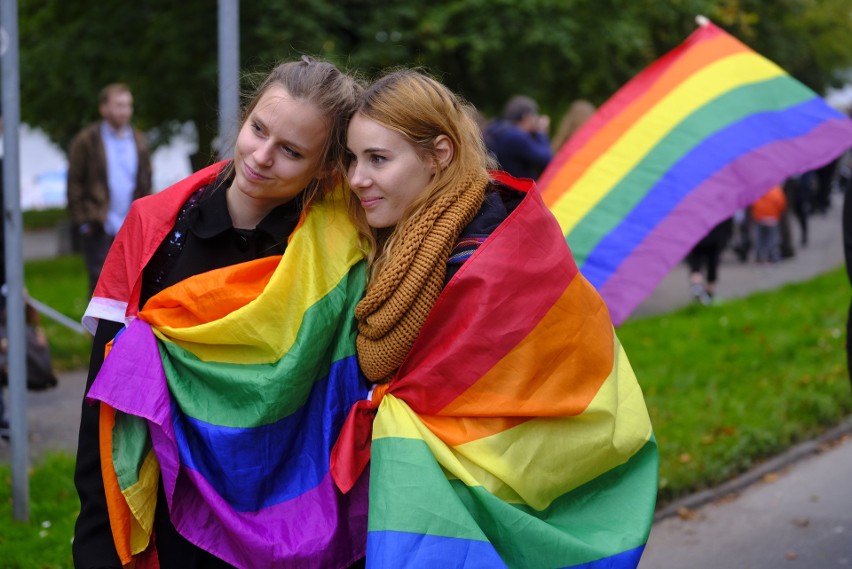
(536, 462)
(698, 90)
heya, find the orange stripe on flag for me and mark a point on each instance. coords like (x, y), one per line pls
(555, 371)
(209, 296)
(692, 62)
(119, 512)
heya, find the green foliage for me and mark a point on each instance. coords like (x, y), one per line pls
(45, 541)
(553, 50)
(730, 385)
(62, 284)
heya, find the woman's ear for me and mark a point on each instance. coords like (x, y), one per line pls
(443, 151)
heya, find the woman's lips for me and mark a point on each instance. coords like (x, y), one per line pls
(369, 202)
(251, 174)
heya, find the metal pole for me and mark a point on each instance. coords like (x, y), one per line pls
(14, 262)
(229, 75)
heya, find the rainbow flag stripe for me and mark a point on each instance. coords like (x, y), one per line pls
(233, 386)
(701, 133)
(515, 434)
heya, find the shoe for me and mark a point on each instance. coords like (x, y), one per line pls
(700, 294)
(4, 429)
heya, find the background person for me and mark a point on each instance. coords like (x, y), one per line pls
(703, 259)
(519, 139)
(766, 215)
(576, 116)
(109, 166)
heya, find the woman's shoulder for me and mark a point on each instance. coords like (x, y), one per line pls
(500, 201)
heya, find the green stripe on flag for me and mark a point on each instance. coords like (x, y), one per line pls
(215, 392)
(773, 95)
(608, 515)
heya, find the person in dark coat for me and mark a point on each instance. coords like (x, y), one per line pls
(109, 166)
(704, 256)
(847, 253)
(519, 140)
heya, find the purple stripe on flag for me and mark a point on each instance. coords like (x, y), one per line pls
(320, 528)
(712, 202)
(136, 376)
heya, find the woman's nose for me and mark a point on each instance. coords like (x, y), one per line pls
(263, 153)
(356, 178)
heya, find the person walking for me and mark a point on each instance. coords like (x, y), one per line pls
(109, 166)
(705, 256)
(766, 215)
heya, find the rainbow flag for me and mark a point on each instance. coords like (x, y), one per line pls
(701, 133)
(515, 433)
(232, 386)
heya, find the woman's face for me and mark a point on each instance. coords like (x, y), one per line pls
(279, 149)
(385, 171)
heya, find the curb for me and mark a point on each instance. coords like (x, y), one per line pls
(787, 458)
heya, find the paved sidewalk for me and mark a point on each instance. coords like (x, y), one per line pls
(797, 516)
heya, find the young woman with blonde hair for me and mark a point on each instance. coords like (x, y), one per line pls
(491, 429)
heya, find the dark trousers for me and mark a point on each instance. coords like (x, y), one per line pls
(849, 342)
(95, 246)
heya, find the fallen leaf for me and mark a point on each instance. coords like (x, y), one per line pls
(685, 513)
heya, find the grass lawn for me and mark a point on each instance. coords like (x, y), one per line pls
(726, 386)
(44, 542)
(62, 284)
(730, 385)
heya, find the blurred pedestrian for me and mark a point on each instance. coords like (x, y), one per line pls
(4, 423)
(798, 194)
(109, 166)
(847, 253)
(766, 215)
(824, 182)
(519, 139)
(576, 116)
(704, 256)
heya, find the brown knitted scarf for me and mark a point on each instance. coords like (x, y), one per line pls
(400, 297)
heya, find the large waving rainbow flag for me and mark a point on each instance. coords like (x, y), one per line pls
(701, 133)
(515, 433)
(232, 386)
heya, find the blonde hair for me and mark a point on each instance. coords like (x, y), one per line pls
(334, 93)
(420, 109)
(577, 114)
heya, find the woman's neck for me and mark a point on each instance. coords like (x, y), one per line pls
(245, 212)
